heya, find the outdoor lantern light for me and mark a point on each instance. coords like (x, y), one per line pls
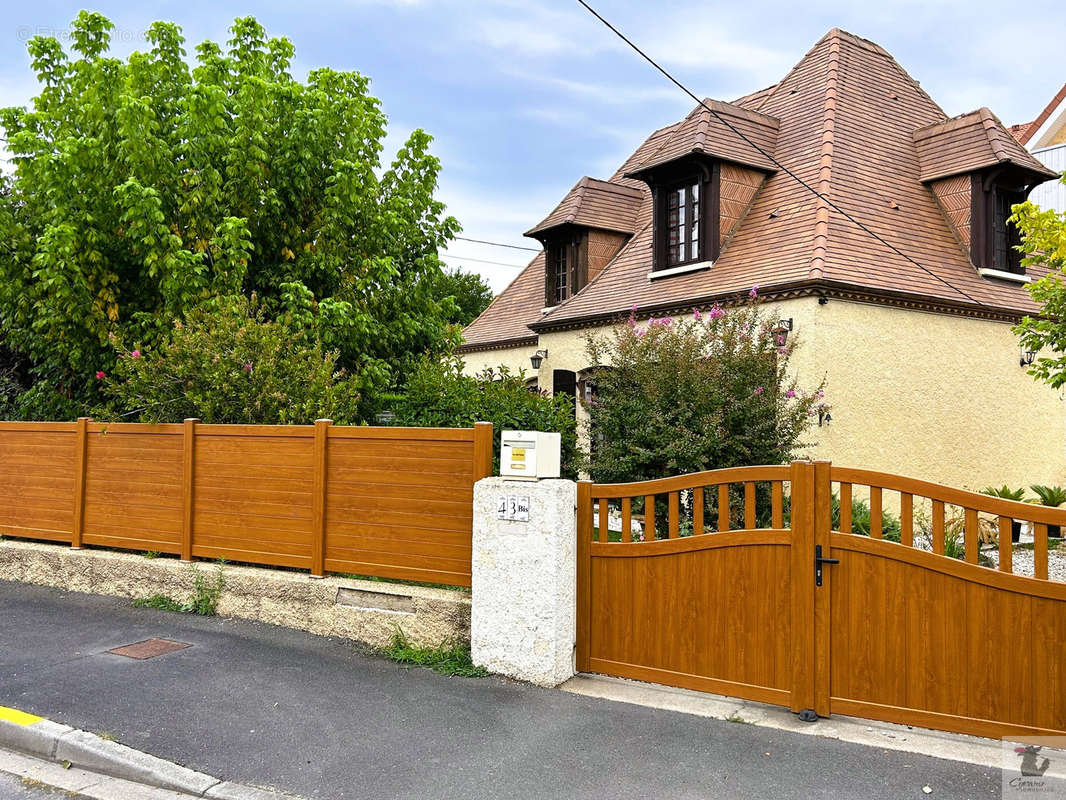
(1026, 358)
(781, 330)
(537, 358)
(824, 418)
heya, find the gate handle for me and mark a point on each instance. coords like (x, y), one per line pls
(818, 561)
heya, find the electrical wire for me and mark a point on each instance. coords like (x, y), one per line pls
(773, 160)
(499, 244)
(483, 261)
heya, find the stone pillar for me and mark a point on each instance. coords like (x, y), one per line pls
(524, 588)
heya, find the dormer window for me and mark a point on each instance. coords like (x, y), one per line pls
(686, 228)
(683, 224)
(1005, 236)
(560, 268)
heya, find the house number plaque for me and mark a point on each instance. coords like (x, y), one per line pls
(514, 508)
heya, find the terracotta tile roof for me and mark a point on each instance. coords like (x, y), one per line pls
(970, 142)
(846, 115)
(595, 204)
(1026, 131)
(706, 133)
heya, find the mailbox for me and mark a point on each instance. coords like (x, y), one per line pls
(530, 454)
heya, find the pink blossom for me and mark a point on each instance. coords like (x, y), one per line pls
(639, 331)
(247, 367)
(754, 292)
(100, 375)
(782, 351)
(790, 393)
(696, 315)
(758, 390)
(136, 354)
(717, 312)
(634, 308)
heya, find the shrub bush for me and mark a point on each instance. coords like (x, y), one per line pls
(438, 394)
(706, 392)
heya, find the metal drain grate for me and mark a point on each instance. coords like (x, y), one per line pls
(149, 648)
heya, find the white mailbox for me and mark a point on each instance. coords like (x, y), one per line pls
(530, 454)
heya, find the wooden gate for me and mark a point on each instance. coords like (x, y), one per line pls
(755, 582)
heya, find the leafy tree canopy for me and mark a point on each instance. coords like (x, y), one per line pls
(1044, 238)
(468, 291)
(143, 188)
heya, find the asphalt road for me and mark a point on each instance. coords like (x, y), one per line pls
(322, 718)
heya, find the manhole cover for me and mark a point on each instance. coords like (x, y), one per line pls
(149, 648)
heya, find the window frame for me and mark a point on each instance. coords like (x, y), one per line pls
(573, 242)
(707, 176)
(987, 224)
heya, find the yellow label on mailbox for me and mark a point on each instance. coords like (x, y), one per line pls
(518, 454)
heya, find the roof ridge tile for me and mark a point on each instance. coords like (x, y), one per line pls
(816, 268)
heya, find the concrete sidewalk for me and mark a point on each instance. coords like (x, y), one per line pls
(320, 718)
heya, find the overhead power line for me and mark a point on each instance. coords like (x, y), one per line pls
(499, 244)
(773, 160)
(483, 261)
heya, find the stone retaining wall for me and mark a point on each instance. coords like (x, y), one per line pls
(366, 611)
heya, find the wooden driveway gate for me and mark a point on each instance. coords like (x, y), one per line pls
(783, 603)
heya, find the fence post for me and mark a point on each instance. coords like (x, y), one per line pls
(318, 500)
(482, 450)
(802, 581)
(823, 524)
(584, 573)
(188, 456)
(80, 446)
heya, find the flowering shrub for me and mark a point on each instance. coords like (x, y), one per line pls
(705, 392)
(228, 364)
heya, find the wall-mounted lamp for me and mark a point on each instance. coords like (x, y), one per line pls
(781, 330)
(824, 417)
(537, 358)
(1026, 358)
(823, 300)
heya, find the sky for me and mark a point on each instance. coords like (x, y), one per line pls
(524, 98)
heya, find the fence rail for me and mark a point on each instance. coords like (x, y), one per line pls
(389, 502)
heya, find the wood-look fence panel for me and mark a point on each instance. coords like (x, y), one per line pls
(387, 512)
(389, 502)
(37, 471)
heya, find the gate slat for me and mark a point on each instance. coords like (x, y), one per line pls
(938, 527)
(723, 507)
(627, 520)
(971, 536)
(875, 512)
(777, 516)
(906, 519)
(749, 505)
(845, 508)
(697, 511)
(649, 518)
(1040, 551)
(673, 500)
(1005, 563)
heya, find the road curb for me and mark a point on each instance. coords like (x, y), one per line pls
(69, 746)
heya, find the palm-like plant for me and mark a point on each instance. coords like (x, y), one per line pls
(1008, 494)
(1053, 496)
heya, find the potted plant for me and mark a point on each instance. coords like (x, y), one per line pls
(1009, 494)
(1053, 496)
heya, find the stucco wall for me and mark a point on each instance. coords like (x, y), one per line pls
(931, 396)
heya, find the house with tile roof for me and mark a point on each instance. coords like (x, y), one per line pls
(866, 216)
(1045, 137)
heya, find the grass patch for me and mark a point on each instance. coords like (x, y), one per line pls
(447, 658)
(737, 719)
(152, 554)
(159, 601)
(203, 601)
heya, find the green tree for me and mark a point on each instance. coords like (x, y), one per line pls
(696, 394)
(1044, 240)
(469, 293)
(438, 394)
(226, 363)
(142, 188)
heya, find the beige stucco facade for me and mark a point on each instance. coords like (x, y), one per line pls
(933, 396)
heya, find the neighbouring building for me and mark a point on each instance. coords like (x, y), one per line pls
(1045, 137)
(913, 334)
